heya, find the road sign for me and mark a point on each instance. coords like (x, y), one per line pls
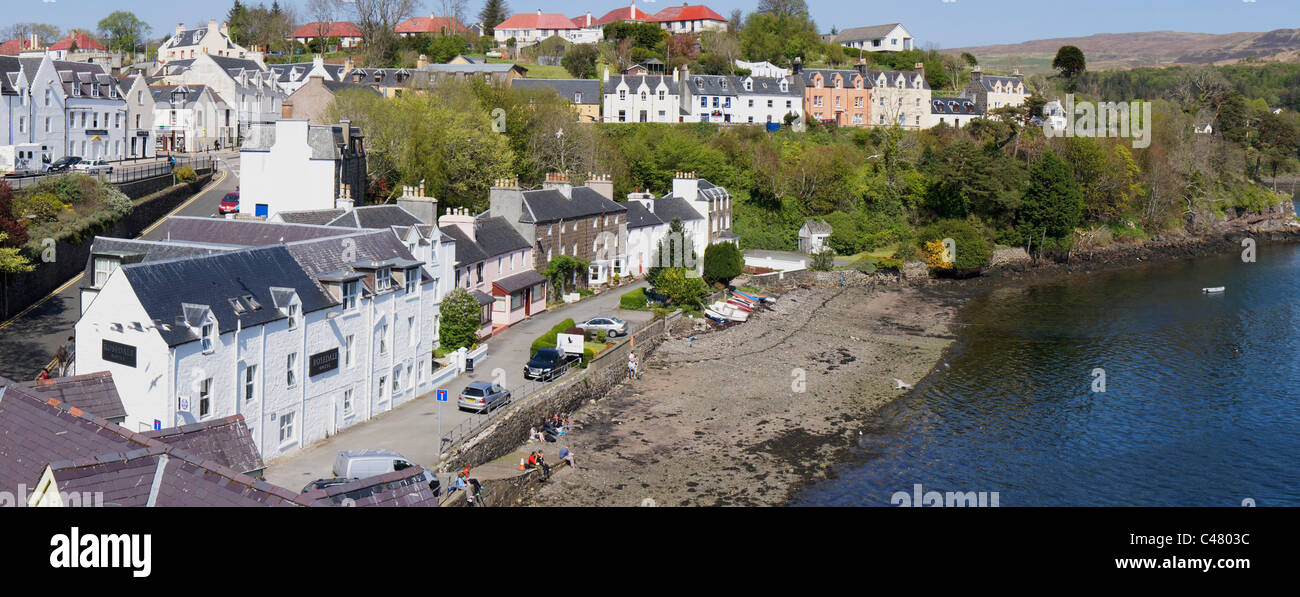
(442, 395)
(157, 424)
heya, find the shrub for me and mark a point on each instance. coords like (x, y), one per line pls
(823, 261)
(660, 312)
(459, 320)
(600, 336)
(889, 264)
(973, 249)
(185, 174)
(37, 208)
(587, 355)
(634, 300)
(722, 262)
(549, 339)
(866, 265)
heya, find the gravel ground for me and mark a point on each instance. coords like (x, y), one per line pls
(725, 420)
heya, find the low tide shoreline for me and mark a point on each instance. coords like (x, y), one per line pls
(723, 420)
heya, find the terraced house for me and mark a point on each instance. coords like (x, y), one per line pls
(838, 96)
(991, 92)
(495, 264)
(560, 219)
(645, 98)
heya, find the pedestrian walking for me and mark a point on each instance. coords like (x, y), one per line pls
(632, 365)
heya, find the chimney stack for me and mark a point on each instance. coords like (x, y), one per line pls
(601, 183)
(559, 181)
(461, 219)
(686, 186)
(422, 62)
(414, 201)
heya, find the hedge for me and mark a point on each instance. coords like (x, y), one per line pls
(548, 339)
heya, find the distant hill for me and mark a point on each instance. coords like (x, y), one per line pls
(1109, 51)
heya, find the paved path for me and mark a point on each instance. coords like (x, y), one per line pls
(412, 429)
(29, 340)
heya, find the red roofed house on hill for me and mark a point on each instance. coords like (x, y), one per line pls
(530, 28)
(631, 14)
(349, 34)
(429, 25)
(689, 19)
(14, 47)
(83, 42)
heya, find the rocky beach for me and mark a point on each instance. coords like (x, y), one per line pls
(747, 414)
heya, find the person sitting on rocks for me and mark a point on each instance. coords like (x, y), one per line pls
(567, 456)
(535, 435)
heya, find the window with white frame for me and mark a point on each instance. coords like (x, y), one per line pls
(205, 398)
(250, 383)
(383, 279)
(411, 336)
(383, 339)
(413, 280)
(383, 387)
(293, 316)
(397, 379)
(206, 337)
(286, 428)
(104, 267)
(350, 295)
(349, 344)
(347, 403)
(290, 370)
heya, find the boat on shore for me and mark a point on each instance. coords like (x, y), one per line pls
(726, 312)
(1212, 289)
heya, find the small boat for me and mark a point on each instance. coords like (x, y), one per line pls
(744, 299)
(729, 312)
(758, 298)
(742, 306)
(1212, 289)
(711, 314)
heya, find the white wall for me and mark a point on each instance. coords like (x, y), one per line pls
(632, 104)
(285, 178)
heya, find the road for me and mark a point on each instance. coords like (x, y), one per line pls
(29, 340)
(412, 429)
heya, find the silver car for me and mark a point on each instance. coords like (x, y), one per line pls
(94, 167)
(481, 396)
(612, 326)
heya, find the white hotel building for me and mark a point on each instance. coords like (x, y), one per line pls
(303, 338)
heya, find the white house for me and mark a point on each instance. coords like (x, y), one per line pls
(245, 85)
(292, 76)
(648, 98)
(64, 108)
(188, 44)
(140, 105)
(712, 202)
(1054, 116)
(644, 231)
(892, 37)
(689, 19)
(302, 338)
(761, 100)
(813, 235)
(709, 98)
(292, 165)
(191, 118)
(953, 111)
(529, 28)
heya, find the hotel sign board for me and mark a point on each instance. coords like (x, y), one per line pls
(323, 362)
(122, 354)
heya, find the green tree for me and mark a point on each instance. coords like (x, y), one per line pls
(1053, 203)
(563, 271)
(682, 289)
(823, 260)
(581, 60)
(236, 23)
(676, 250)
(11, 258)
(1070, 62)
(123, 31)
(722, 262)
(459, 322)
(494, 11)
(971, 247)
(969, 59)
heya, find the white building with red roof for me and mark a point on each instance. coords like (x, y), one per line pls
(78, 42)
(689, 19)
(630, 14)
(430, 25)
(348, 34)
(529, 28)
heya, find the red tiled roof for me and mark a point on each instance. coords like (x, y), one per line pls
(14, 46)
(627, 13)
(536, 21)
(84, 42)
(429, 24)
(335, 29)
(686, 13)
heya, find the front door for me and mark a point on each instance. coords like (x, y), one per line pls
(262, 210)
(528, 301)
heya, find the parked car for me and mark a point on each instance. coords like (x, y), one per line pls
(229, 203)
(612, 326)
(63, 164)
(481, 396)
(425, 476)
(359, 464)
(93, 167)
(547, 364)
(323, 483)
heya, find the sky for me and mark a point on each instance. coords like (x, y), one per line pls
(942, 23)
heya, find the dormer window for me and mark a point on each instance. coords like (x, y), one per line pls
(293, 316)
(349, 296)
(413, 280)
(383, 279)
(577, 97)
(206, 336)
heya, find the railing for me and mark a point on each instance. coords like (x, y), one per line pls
(124, 175)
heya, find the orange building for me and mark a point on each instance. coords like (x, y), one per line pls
(839, 96)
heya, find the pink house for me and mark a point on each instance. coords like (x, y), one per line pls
(495, 264)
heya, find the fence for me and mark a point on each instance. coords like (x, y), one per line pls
(122, 175)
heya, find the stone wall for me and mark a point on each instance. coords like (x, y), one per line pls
(23, 290)
(602, 374)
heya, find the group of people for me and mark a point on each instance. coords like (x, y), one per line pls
(537, 460)
(471, 487)
(551, 429)
(633, 372)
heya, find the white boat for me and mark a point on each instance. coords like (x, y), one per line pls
(728, 312)
(1212, 289)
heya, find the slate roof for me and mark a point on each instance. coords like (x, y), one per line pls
(634, 82)
(94, 393)
(667, 208)
(639, 216)
(164, 287)
(517, 282)
(160, 476)
(188, 96)
(148, 250)
(467, 251)
(549, 205)
(380, 77)
(712, 85)
(376, 216)
(297, 71)
(865, 33)
(327, 255)
(35, 432)
(828, 76)
(479, 68)
(566, 88)
(225, 441)
(816, 227)
(954, 105)
(764, 86)
(409, 487)
(235, 65)
(989, 82)
(312, 217)
(496, 236)
(80, 79)
(247, 233)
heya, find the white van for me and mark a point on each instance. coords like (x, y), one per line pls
(20, 160)
(360, 464)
